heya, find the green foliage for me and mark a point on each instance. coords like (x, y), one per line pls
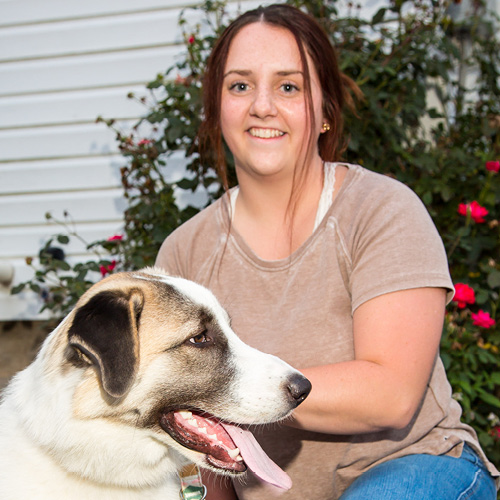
(418, 123)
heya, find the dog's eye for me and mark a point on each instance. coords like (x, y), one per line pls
(200, 339)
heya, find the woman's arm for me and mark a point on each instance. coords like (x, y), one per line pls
(396, 341)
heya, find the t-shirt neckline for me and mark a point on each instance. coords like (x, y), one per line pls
(278, 264)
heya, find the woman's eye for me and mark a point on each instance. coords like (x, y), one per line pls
(201, 338)
(289, 88)
(239, 87)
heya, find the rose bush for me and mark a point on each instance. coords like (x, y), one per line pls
(447, 149)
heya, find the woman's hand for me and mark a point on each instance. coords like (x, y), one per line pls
(396, 341)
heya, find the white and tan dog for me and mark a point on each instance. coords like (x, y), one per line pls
(142, 377)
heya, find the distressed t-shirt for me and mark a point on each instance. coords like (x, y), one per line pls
(376, 238)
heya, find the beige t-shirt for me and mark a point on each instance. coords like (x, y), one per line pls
(377, 237)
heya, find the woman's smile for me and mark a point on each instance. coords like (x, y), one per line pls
(265, 133)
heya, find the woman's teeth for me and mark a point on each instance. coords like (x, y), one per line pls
(265, 133)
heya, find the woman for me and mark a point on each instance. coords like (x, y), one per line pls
(336, 269)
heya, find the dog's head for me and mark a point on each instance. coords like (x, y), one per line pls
(158, 353)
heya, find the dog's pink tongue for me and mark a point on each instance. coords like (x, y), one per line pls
(256, 458)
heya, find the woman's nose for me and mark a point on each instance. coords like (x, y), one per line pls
(263, 103)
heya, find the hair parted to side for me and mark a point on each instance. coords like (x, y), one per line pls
(310, 38)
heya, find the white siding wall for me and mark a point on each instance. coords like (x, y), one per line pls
(62, 64)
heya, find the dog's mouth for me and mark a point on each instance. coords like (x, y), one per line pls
(226, 446)
(206, 435)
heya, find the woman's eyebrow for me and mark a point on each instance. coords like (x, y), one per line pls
(247, 72)
(240, 72)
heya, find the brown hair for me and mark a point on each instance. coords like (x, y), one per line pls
(334, 84)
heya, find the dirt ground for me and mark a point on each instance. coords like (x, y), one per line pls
(19, 344)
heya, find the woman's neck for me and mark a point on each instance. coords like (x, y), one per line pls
(271, 223)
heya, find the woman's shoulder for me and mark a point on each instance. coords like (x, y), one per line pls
(368, 182)
(187, 243)
(369, 193)
(205, 221)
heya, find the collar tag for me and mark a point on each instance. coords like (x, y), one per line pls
(191, 486)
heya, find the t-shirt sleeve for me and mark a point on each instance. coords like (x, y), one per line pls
(395, 245)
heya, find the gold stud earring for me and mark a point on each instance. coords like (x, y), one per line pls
(326, 127)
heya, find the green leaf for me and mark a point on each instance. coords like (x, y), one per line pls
(62, 238)
(490, 399)
(379, 16)
(18, 288)
(493, 279)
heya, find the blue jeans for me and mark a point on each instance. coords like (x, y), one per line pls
(425, 477)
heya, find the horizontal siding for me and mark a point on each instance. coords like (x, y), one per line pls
(63, 64)
(73, 174)
(148, 29)
(86, 139)
(119, 69)
(37, 12)
(16, 240)
(83, 206)
(80, 106)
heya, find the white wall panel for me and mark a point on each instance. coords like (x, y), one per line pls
(60, 175)
(85, 72)
(122, 32)
(84, 206)
(36, 11)
(73, 174)
(62, 64)
(69, 107)
(16, 240)
(53, 142)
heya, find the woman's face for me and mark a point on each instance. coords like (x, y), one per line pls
(263, 104)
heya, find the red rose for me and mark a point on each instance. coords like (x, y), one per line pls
(495, 432)
(191, 40)
(464, 295)
(107, 269)
(116, 237)
(476, 211)
(493, 166)
(482, 319)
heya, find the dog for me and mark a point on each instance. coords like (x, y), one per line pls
(143, 377)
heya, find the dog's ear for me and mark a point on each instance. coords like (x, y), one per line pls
(105, 330)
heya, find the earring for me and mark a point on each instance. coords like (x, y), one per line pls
(326, 127)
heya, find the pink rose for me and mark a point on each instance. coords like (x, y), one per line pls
(116, 237)
(477, 212)
(107, 269)
(144, 142)
(464, 295)
(191, 40)
(180, 80)
(493, 166)
(482, 319)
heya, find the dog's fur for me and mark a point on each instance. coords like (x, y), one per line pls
(83, 420)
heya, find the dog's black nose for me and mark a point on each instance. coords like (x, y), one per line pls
(299, 388)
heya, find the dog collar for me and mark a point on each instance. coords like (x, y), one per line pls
(192, 487)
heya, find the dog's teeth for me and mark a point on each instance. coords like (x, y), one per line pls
(234, 454)
(213, 436)
(193, 422)
(185, 414)
(202, 430)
